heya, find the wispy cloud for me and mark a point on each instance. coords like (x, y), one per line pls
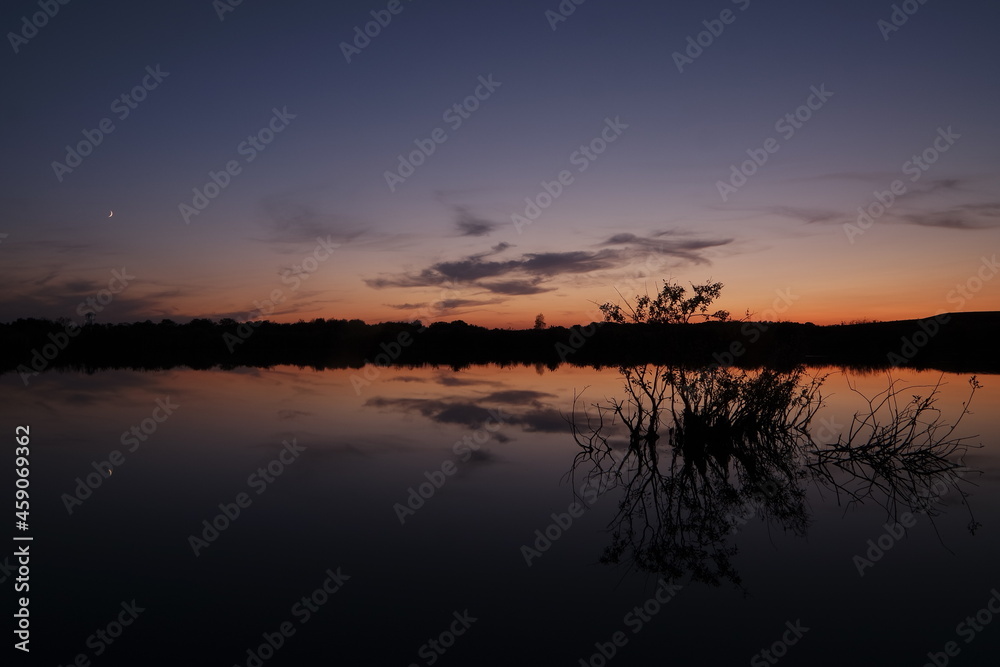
(670, 243)
(806, 215)
(925, 203)
(538, 418)
(472, 225)
(292, 221)
(55, 296)
(518, 287)
(443, 411)
(474, 269)
(964, 217)
(533, 273)
(445, 304)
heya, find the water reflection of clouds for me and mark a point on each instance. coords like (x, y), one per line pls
(449, 380)
(71, 404)
(442, 377)
(532, 410)
(287, 415)
(120, 387)
(323, 444)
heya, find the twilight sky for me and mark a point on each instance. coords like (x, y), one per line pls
(359, 190)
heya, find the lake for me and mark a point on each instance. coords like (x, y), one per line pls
(426, 516)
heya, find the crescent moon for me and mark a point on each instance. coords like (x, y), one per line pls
(111, 214)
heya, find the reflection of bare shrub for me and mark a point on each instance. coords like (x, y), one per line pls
(897, 451)
(696, 451)
(733, 442)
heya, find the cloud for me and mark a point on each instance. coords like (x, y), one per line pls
(44, 279)
(59, 296)
(474, 268)
(990, 209)
(292, 221)
(958, 216)
(683, 248)
(438, 410)
(807, 215)
(533, 272)
(539, 418)
(517, 287)
(470, 225)
(907, 208)
(963, 217)
(944, 185)
(859, 176)
(517, 397)
(53, 390)
(475, 227)
(58, 247)
(543, 421)
(444, 304)
(450, 380)
(292, 414)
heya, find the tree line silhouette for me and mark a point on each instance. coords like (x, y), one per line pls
(966, 343)
(659, 329)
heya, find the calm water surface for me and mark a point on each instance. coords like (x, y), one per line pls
(335, 505)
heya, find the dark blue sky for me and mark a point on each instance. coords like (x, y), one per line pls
(442, 243)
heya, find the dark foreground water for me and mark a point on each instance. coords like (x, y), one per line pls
(336, 558)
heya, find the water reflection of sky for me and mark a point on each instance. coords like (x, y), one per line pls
(333, 507)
